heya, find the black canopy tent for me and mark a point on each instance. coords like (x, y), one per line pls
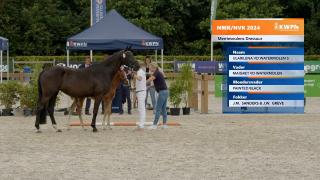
(4, 46)
(114, 32)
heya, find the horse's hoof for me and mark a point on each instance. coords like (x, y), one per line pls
(38, 131)
(95, 130)
(59, 130)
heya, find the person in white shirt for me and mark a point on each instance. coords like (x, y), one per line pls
(141, 87)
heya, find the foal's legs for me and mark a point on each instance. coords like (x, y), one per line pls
(70, 110)
(104, 114)
(79, 111)
(107, 112)
(51, 105)
(95, 112)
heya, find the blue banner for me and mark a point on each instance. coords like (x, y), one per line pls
(202, 66)
(99, 10)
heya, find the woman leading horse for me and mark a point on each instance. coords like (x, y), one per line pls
(94, 81)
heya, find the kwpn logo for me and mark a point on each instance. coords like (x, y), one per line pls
(99, 1)
(286, 27)
(77, 44)
(150, 43)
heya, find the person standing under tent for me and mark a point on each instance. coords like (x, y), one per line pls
(150, 86)
(127, 88)
(87, 63)
(141, 88)
(161, 87)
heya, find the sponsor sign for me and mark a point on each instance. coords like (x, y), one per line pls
(3, 68)
(312, 85)
(312, 67)
(72, 64)
(202, 66)
(150, 43)
(76, 44)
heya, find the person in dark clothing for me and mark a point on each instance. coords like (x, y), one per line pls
(118, 99)
(161, 87)
(126, 89)
(87, 63)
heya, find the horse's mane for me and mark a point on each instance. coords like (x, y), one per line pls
(113, 59)
(109, 61)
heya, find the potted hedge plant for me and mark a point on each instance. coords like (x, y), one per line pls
(186, 79)
(29, 93)
(175, 97)
(28, 98)
(9, 96)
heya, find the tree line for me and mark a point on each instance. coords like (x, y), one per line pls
(41, 27)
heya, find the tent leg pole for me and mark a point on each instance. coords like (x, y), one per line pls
(1, 65)
(91, 55)
(13, 65)
(8, 65)
(162, 59)
(67, 58)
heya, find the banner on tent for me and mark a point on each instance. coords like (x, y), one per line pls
(99, 10)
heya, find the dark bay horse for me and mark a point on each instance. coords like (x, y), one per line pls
(94, 81)
(107, 100)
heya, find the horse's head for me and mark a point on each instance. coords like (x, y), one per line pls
(121, 74)
(129, 60)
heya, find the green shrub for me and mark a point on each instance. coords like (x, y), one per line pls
(175, 95)
(9, 95)
(185, 77)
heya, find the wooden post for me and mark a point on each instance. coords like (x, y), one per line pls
(204, 94)
(194, 103)
(21, 76)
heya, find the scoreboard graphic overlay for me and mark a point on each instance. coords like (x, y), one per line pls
(265, 65)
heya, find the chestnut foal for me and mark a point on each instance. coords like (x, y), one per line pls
(107, 100)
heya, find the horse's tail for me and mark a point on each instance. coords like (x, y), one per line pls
(42, 108)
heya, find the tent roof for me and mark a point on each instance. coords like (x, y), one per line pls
(114, 32)
(3, 43)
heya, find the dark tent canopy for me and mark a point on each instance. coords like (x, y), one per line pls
(114, 32)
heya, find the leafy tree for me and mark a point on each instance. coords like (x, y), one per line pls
(41, 27)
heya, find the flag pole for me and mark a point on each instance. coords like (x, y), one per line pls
(91, 23)
(214, 4)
